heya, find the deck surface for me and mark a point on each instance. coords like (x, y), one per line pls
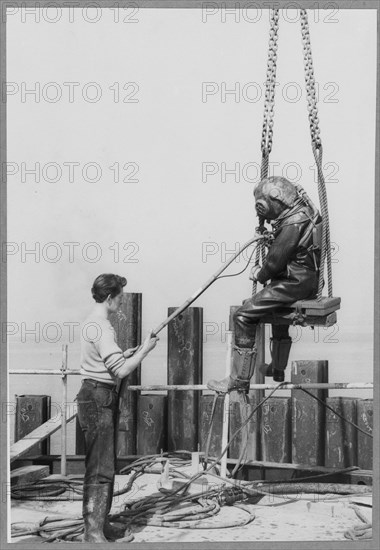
(309, 518)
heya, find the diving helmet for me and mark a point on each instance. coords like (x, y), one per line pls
(273, 195)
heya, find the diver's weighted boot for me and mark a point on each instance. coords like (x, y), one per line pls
(266, 369)
(280, 355)
(278, 375)
(243, 366)
(95, 499)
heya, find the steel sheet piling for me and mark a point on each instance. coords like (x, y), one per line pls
(32, 411)
(365, 443)
(341, 437)
(308, 415)
(276, 430)
(151, 424)
(185, 349)
(127, 325)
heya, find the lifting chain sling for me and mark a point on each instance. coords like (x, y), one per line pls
(267, 131)
(316, 143)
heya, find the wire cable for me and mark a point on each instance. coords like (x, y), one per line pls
(336, 413)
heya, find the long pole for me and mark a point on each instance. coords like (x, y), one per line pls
(288, 386)
(44, 371)
(185, 387)
(64, 411)
(208, 283)
(226, 407)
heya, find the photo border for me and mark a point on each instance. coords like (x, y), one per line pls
(374, 543)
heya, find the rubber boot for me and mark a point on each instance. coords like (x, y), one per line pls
(280, 350)
(243, 366)
(95, 501)
(115, 530)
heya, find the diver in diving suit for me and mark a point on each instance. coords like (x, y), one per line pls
(292, 267)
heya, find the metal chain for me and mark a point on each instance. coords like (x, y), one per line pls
(270, 86)
(310, 81)
(268, 120)
(316, 144)
(267, 136)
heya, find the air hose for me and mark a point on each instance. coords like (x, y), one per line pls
(207, 284)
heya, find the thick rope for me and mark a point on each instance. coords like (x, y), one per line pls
(316, 144)
(326, 244)
(257, 262)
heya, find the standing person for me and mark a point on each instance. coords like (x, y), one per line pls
(102, 363)
(292, 267)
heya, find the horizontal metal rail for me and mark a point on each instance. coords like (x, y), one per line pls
(42, 371)
(288, 386)
(200, 387)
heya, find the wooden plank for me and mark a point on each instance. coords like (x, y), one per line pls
(289, 318)
(27, 474)
(22, 446)
(321, 307)
(312, 308)
(265, 464)
(358, 477)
